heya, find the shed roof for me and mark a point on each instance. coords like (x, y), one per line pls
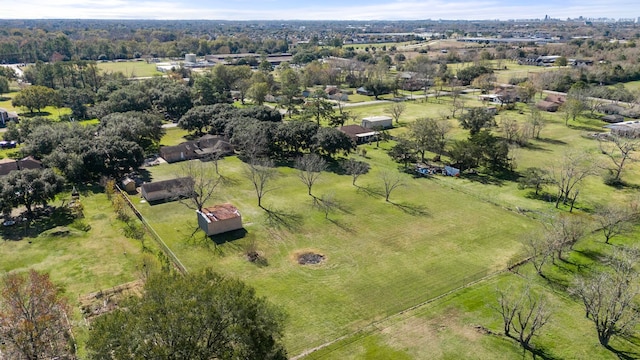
(220, 212)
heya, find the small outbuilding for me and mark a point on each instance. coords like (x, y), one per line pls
(373, 122)
(128, 185)
(219, 219)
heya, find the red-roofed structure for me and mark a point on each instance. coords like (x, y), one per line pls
(219, 219)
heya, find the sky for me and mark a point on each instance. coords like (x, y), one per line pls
(317, 10)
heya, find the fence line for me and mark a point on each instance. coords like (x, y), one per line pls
(154, 234)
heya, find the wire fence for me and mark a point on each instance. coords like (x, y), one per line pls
(174, 259)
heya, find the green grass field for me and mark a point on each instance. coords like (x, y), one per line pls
(81, 262)
(381, 258)
(130, 68)
(445, 232)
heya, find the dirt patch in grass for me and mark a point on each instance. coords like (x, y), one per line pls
(416, 330)
(308, 257)
(105, 301)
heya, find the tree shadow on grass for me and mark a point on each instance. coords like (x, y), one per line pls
(534, 147)
(35, 114)
(228, 180)
(623, 355)
(343, 226)
(593, 255)
(484, 179)
(411, 209)
(43, 219)
(539, 353)
(282, 219)
(370, 191)
(551, 141)
(544, 196)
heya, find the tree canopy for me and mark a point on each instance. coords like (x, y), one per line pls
(196, 316)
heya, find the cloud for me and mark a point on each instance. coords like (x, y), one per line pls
(328, 10)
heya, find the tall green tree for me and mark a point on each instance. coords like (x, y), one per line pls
(317, 106)
(4, 85)
(290, 88)
(476, 119)
(34, 97)
(30, 187)
(196, 316)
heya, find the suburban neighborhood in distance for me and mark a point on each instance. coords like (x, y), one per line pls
(320, 189)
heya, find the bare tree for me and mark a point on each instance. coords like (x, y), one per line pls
(197, 184)
(260, 173)
(535, 123)
(608, 299)
(524, 314)
(396, 110)
(614, 220)
(327, 203)
(569, 173)
(33, 318)
(620, 150)
(539, 247)
(309, 168)
(355, 168)
(511, 129)
(391, 181)
(562, 232)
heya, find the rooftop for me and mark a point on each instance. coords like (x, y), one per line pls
(221, 212)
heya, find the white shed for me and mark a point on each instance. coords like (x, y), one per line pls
(219, 219)
(373, 122)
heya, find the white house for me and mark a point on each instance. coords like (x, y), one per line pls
(373, 122)
(219, 219)
(6, 116)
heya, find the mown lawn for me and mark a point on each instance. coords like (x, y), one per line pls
(456, 326)
(381, 257)
(130, 69)
(81, 262)
(50, 112)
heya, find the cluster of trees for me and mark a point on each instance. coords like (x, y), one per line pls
(607, 292)
(194, 316)
(85, 153)
(480, 149)
(259, 131)
(28, 188)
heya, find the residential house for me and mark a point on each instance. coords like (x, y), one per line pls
(630, 129)
(204, 147)
(6, 116)
(612, 109)
(362, 91)
(613, 118)
(9, 165)
(358, 134)
(219, 219)
(181, 152)
(551, 103)
(166, 189)
(547, 106)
